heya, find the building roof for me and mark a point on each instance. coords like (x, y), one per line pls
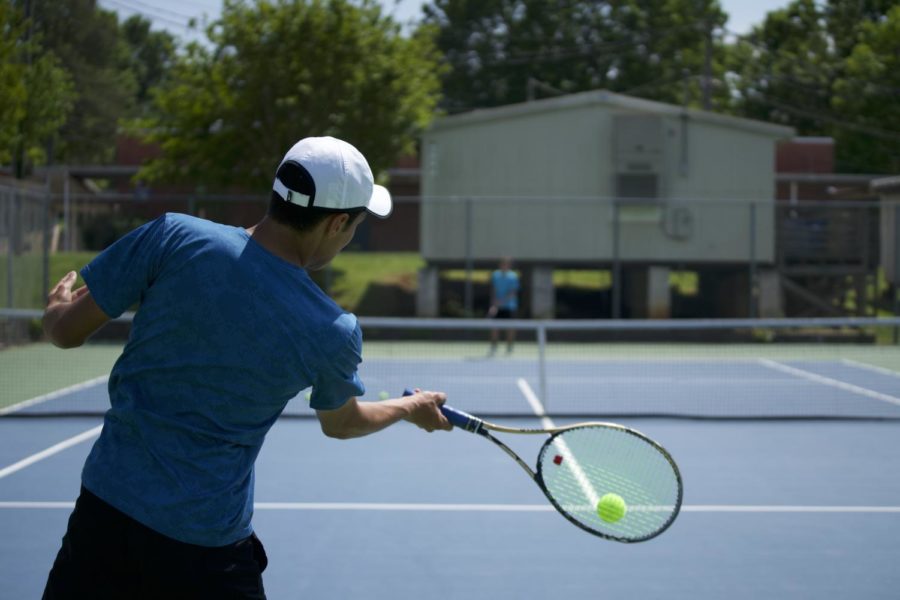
(606, 98)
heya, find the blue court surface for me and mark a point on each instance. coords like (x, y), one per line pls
(772, 508)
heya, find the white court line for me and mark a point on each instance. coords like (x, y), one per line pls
(849, 387)
(53, 395)
(744, 508)
(580, 476)
(535, 403)
(424, 507)
(55, 449)
(868, 367)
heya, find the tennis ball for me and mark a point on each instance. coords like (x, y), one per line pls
(383, 396)
(611, 508)
(308, 396)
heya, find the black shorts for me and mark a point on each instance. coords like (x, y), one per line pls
(107, 554)
(505, 313)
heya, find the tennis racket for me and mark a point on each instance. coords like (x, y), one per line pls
(594, 472)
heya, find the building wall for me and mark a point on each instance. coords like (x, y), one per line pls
(538, 186)
(560, 153)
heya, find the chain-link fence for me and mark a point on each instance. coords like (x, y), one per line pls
(825, 254)
(25, 239)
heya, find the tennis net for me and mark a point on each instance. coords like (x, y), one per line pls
(730, 369)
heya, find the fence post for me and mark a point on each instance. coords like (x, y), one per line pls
(67, 212)
(10, 229)
(542, 363)
(47, 205)
(617, 265)
(751, 284)
(468, 296)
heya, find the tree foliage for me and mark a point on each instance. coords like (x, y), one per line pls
(36, 94)
(826, 70)
(785, 67)
(150, 56)
(867, 93)
(652, 48)
(89, 45)
(280, 71)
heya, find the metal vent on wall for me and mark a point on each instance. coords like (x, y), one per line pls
(637, 186)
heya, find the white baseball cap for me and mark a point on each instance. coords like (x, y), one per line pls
(325, 172)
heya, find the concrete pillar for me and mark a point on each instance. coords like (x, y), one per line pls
(427, 296)
(771, 297)
(647, 293)
(659, 298)
(543, 294)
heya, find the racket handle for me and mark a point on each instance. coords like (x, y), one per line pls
(457, 418)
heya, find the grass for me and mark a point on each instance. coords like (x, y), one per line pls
(354, 274)
(63, 262)
(685, 282)
(27, 279)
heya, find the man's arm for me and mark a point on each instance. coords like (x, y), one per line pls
(71, 316)
(356, 419)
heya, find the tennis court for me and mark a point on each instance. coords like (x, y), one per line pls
(788, 452)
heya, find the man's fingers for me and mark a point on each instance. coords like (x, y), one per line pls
(62, 291)
(79, 292)
(66, 282)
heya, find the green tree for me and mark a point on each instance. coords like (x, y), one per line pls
(803, 65)
(150, 56)
(867, 94)
(784, 69)
(36, 94)
(276, 72)
(13, 93)
(847, 20)
(651, 48)
(90, 47)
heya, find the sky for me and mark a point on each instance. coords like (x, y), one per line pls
(173, 15)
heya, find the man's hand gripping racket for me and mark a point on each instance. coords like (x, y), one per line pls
(608, 479)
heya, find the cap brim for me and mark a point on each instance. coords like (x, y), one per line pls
(380, 203)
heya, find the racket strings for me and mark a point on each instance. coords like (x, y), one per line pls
(581, 465)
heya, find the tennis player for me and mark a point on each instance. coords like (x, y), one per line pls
(230, 327)
(504, 301)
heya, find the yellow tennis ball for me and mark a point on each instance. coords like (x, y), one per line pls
(611, 508)
(308, 396)
(383, 396)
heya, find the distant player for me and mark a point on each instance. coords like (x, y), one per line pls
(504, 302)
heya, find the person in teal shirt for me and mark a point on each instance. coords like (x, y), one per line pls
(229, 328)
(504, 302)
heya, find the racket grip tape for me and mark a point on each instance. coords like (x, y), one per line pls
(457, 418)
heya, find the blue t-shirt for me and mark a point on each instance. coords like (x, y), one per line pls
(225, 335)
(506, 289)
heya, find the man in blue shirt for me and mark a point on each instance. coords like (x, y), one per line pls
(504, 301)
(230, 328)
